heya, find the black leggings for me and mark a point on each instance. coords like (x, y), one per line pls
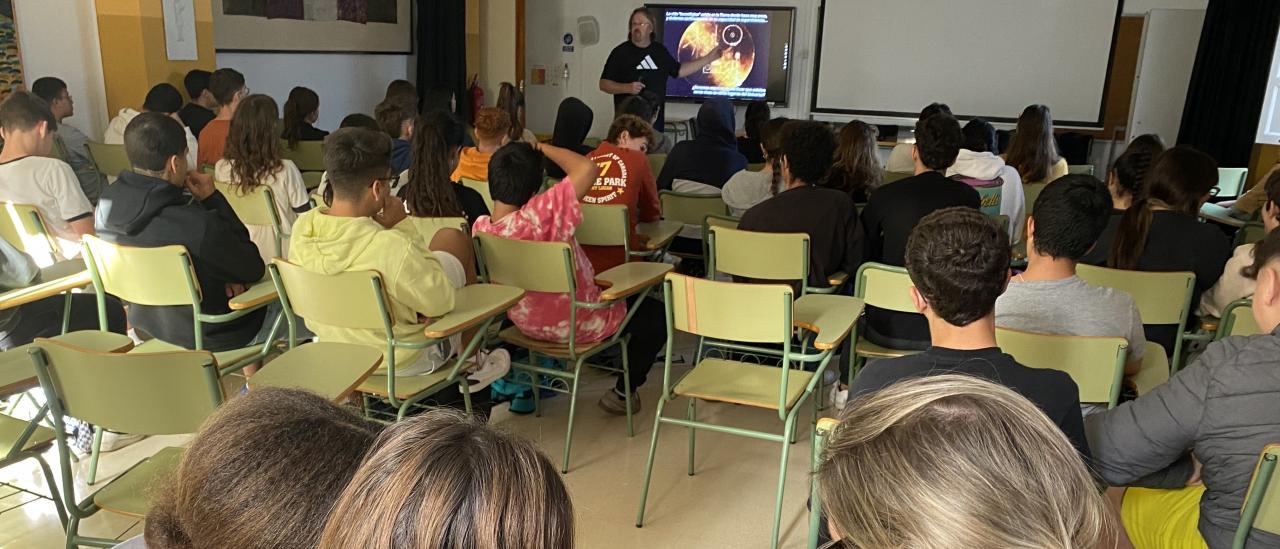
(43, 318)
(648, 331)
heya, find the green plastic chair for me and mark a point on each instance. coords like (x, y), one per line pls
(890, 177)
(148, 394)
(756, 319)
(24, 227)
(309, 156)
(656, 162)
(1096, 364)
(1231, 181)
(548, 267)
(691, 210)
(110, 159)
(1155, 369)
(1237, 320)
(427, 227)
(825, 426)
(481, 187)
(312, 180)
(886, 287)
(609, 225)
(311, 296)
(1261, 510)
(755, 166)
(1156, 295)
(781, 257)
(255, 207)
(989, 199)
(1250, 233)
(1030, 192)
(1080, 169)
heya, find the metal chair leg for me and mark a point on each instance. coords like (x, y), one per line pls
(692, 416)
(573, 405)
(626, 386)
(53, 489)
(93, 456)
(648, 467)
(782, 481)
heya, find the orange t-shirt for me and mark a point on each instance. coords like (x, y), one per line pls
(472, 164)
(213, 141)
(625, 178)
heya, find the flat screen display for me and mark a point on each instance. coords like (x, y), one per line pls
(756, 64)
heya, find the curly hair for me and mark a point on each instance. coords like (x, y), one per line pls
(429, 190)
(635, 126)
(958, 260)
(253, 144)
(808, 147)
(938, 140)
(492, 123)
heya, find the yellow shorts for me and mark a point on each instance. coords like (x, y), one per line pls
(1163, 519)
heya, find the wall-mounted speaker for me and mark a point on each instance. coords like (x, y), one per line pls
(588, 31)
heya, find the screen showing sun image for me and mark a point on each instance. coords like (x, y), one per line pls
(756, 60)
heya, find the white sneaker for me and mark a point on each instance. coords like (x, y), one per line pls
(115, 441)
(493, 365)
(839, 398)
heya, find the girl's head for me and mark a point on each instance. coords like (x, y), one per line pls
(511, 101)
(857, 163)
(1271, 209)
(1181, 181)
(1033, 151)
(1131, 168)
(302, 107)
(436, 143)
(771, 145)
(253, 141)
(441, 479)
(757, 114)
(955, 461)
(262, 473)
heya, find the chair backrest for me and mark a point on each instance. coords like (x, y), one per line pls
(989, 200)
(427, 227)
(254, 207)
(140, 393)
(1237, 320)
(110, 159)
(1250, 233)
(24, 227)
(1030, 192)
(309, 156)
(1231, 181)
(890, 177)
(528, 265)
(656, 162)
(481, 187)
(1261, 509)
(1086, 169)
(143, 276)
(1096, 364)
(604, 225)
(312, 180)
(761, 256)
(353, 299)
(755, 313)
(1162, 298)
(690, 209)
(755, 166)
(885, 286)
(721, 221)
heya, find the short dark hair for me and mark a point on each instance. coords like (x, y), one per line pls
(22, 111)
(938, 140)
(515, 173)
(1070, 214)
(355, 156)
(809, 148)
(151, 138)
(359, 120)
(391, 114)
(163, 98)
(1272, 188)
(635, 126)
(196, 81)
(980, 136)
(635, 105)
(224, 84)
(958, 260)
(934, 108)
(755, 117)
(48, 88)
(1265, 251)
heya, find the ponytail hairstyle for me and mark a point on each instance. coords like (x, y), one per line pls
(253, 146)
(511, 100)
(301, 104)
(771, 140)
(1179, 180)
(437, 139)
(1033, 151)
(857, 165)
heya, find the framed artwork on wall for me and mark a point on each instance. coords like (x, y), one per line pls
(338, 26)
(10, 52)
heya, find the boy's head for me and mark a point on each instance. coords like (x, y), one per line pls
(492, 125)
(636, 105)
(515, 174)
(938, 140)
(631, 132)
(1271, 209)
(156, 146)
(1266, 271)
(980, 136)
(958, 260)
(755, 117)
(934, 108)
(807, 151)
(395, 117)
(27, 123)
(162, 98)
(359, 120)
(1068, 217)
(359, 165)
(197, 84)
(54, 92)
(227, 87)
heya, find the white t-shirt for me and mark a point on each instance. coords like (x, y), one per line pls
(746, 189)
(290, 192)
(51, 186)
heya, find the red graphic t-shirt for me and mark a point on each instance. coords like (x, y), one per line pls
(625, 178)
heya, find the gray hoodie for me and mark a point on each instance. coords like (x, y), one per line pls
(987, 166)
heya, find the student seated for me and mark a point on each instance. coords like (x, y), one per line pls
(352, 234)
(900, 157)
(1220, 408)
(893, 212)
(643, 106)
(29, 174)
(1162, 233)
(826, 215)
(442, 480)
(395, 117)
(1251, 202)
(856, 170)
(252, 160)
(72, 142)
(402, 90)
(359, 120)
(520, 212)
(624, 178)
(958, 259)
(264, 471)
(511, 101)
(1125, 179)
(747, 188)
(491, 134)
(301, 110)
(977, 165)
(1033, 150)
(161, 98)
(749, 143)
(428, 190)
(228, 89)
(573, 123)
(1233, 284)
(43, 318)
(703, 164)
(200, 111)
(147, 207)
(1048, 297)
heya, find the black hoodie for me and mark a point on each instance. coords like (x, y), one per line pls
(573, 123)
(710, 158)
(145, 211)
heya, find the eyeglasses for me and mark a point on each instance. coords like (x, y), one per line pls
(391, 180)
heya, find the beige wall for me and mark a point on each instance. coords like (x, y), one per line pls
(497, 19)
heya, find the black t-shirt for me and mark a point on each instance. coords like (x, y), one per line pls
(1052, 391)
(472, 203)
(826, 215)
(195, 117)
(651, 65)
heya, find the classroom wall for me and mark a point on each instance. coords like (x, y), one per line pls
(497, 46)
(1141, 7)
(134, 58)
(60, 38)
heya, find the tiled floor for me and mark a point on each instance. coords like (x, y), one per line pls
(728, 503)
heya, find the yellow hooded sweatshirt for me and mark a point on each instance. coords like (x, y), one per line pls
(411, 275)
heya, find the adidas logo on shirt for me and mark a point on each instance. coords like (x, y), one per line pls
(647, 64)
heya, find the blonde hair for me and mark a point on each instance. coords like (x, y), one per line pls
(442, 480)
(955, 461)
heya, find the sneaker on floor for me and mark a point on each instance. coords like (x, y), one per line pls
(115, 441)
(839, 397)
(493, 365)
(616, 404)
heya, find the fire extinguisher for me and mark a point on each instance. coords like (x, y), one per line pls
(477, 97)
